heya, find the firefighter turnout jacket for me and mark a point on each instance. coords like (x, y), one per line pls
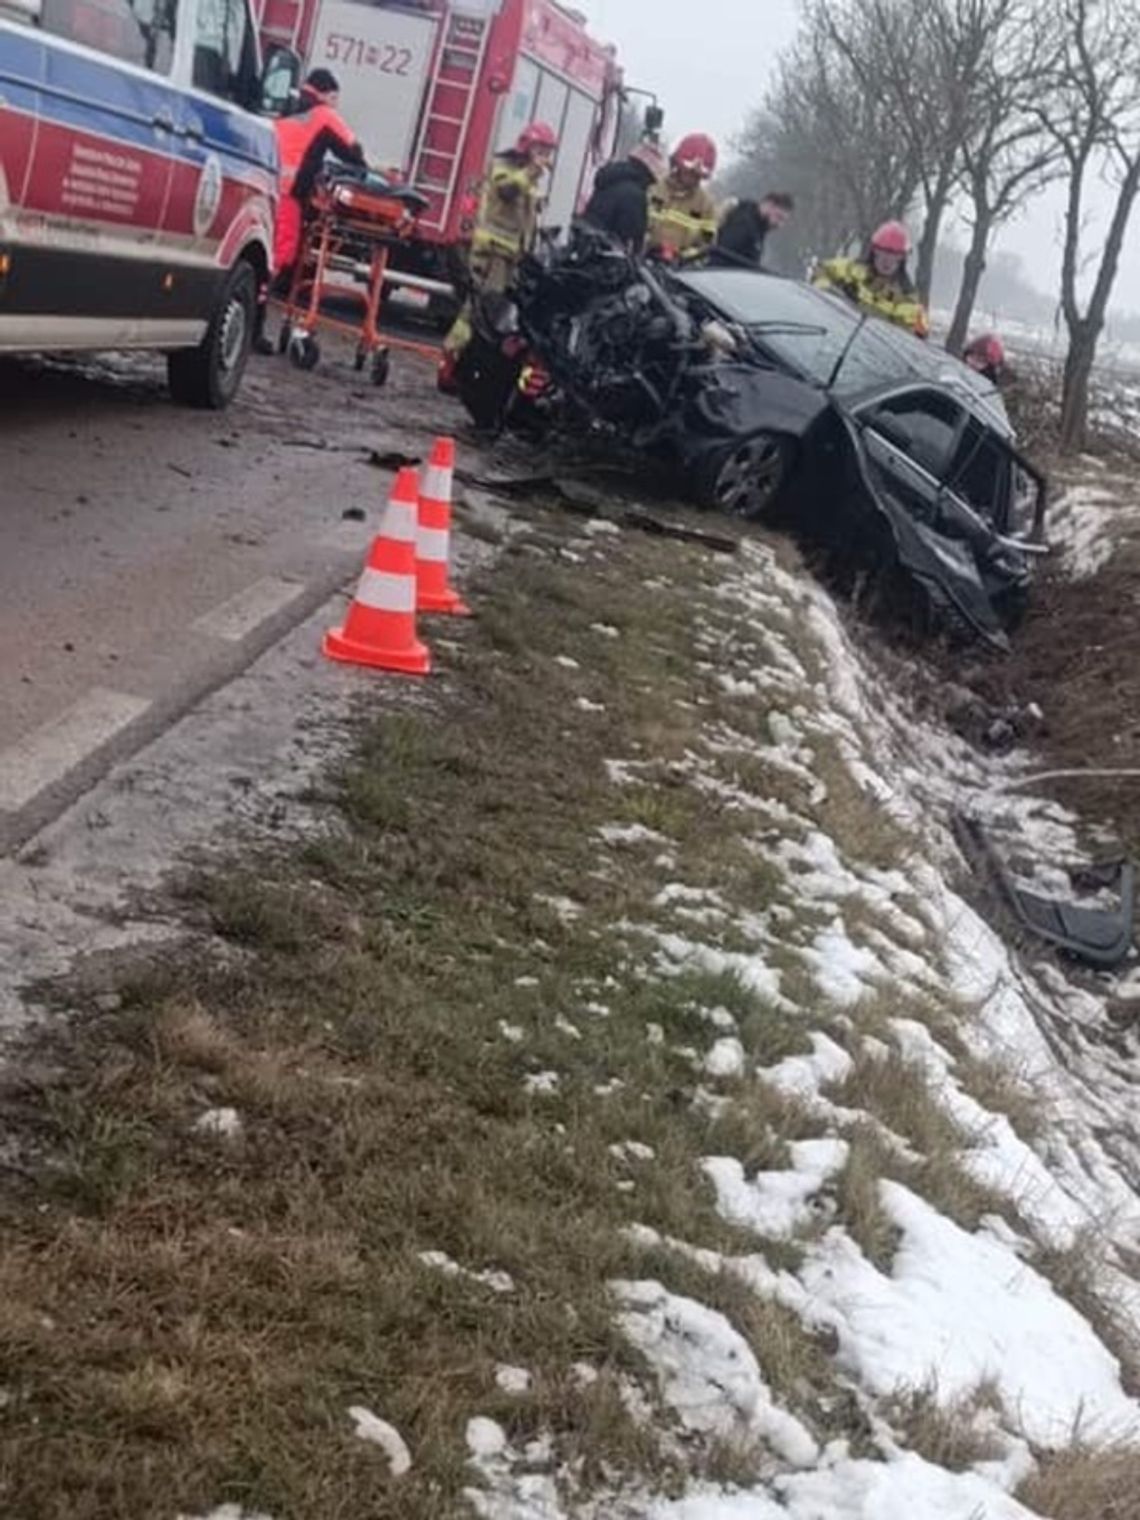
(885, 298)
(682, 220)
(507, 222)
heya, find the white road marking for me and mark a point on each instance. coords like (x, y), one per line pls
(234, 619)
(46, 754)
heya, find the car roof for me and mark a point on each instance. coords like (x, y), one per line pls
(738, 293)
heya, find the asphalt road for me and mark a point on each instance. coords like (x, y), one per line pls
(149, 553)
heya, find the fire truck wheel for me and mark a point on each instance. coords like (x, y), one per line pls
(381, 367)
(208, 376)
(304, 351)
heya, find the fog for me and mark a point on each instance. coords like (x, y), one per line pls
(708, 60)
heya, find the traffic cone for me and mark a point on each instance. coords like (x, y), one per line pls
(380, 629)
(434, 592)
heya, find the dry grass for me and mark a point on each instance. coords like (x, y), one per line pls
(859, 1199)
(1083, 1483)
(946, 1432)
(1011, 1093)
(1077, 1273)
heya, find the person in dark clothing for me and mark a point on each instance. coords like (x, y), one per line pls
(742, 233)
(620, 202)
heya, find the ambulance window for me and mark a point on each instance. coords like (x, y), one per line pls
(137, 31)
(225, 51)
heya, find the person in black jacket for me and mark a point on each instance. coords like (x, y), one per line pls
(742, 232)
(620, 202)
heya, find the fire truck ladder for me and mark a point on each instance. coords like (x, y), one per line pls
(464, 47)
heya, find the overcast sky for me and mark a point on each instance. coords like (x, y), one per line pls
(708, 61)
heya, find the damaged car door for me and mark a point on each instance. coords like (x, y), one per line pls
(943, 482)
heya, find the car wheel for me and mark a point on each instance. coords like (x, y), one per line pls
(209, 376)
(744, 478)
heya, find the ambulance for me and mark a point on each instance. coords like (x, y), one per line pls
(138, 181)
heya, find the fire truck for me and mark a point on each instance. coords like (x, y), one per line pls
(435, 88)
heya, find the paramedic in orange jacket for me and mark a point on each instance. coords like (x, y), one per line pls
(303, 140)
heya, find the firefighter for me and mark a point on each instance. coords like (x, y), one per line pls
(986, 355)
(505, 230)
(745, 226)
(879, 281)
(620, 202)
(303, 140)
(682, 213)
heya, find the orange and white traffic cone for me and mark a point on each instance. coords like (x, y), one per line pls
(434, 592)
(380, 629)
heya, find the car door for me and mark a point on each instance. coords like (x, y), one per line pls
(911, 436)
(101, 165)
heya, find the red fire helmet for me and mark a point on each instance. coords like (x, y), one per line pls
(697, 152)
(891, 237)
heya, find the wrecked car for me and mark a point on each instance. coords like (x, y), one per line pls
(775, 401)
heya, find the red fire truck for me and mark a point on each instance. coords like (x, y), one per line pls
(435, 88)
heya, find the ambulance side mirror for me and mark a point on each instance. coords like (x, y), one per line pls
(280, 80)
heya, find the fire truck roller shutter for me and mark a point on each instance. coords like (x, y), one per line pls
(570, 166)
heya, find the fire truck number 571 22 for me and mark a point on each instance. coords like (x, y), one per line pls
(385, 58)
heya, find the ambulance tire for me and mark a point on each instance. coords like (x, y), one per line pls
(209, 376)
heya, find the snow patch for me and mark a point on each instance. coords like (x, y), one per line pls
(777, 1204)
(498, 1282)
(707, 1371)
(370, 1427)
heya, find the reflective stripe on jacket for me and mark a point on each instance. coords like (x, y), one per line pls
(508, 212)
(855, 279)
(680, 220)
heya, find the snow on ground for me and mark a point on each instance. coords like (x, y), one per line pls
(1083, 522)
(959, 1310)
(707, 1373)
(777, 1204)
(370, 1427)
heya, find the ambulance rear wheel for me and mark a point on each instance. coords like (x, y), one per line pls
(209, 376)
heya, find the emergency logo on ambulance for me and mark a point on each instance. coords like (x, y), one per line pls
(209, 196)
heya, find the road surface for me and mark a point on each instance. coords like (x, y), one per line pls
(150, 552)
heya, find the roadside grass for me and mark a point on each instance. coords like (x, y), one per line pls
(187, 1316)
(947, 1432)
(439, 1025)
(1085, 1483)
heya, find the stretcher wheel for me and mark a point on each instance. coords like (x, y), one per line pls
(360, 358)
(381, 366)
(283, 338)
(304, 351)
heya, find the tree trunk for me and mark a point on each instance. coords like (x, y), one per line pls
(972, 271)
(928, 248)
(1075, 388)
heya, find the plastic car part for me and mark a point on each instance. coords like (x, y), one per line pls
(1100, 937)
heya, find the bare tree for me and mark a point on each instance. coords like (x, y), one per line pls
(1007, 156)
(925, 61)
(831, 142)
(1093, 116)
